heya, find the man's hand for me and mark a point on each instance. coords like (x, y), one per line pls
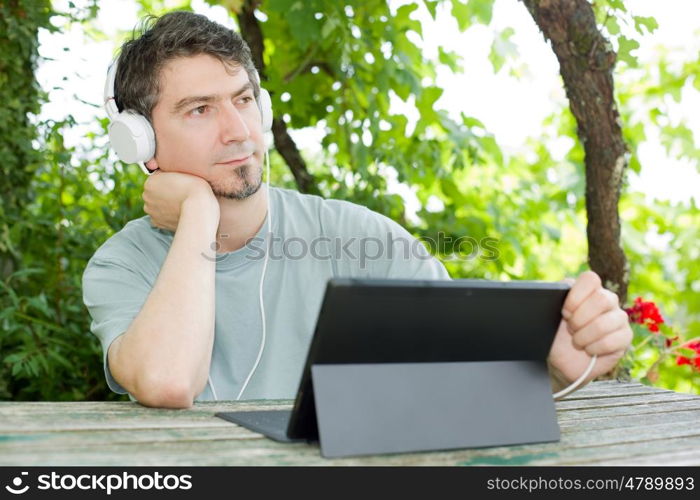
(164, 194)
(593, 323)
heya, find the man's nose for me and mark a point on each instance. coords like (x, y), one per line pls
(233, 126)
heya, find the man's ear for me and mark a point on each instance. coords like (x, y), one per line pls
(152, 164)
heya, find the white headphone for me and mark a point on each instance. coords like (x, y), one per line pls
(131, 134)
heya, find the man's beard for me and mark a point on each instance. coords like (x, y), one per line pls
(249, 187)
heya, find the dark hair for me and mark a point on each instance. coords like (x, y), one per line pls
(173, 35)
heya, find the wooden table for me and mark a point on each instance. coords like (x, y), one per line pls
(605, 423)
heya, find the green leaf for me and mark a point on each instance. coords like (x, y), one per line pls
(612, 26)
(461, 13)
(482, 10)
(647, 22)
(553, 232)
(450, 59)
(53, 354)
(617, 5)
(491, 148)
(14, 358)
(431, 6)
(471, 11)
(403, 14)
(502, 49)
(626, 46)
(425, 103)
(329, 27)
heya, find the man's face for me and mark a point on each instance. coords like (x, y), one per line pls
(208, 124)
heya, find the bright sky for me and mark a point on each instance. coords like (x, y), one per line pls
(75, 77)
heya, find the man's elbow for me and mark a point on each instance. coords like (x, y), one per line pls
(165, 394)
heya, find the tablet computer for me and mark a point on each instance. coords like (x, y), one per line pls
(378, 321)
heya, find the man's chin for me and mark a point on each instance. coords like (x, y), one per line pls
(237, 193)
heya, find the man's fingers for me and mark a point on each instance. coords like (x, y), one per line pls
(615, 342)
(586, 284)
(597, 303)
(599, 328)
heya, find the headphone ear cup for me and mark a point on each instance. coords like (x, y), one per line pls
(265, 105)
(132, 137)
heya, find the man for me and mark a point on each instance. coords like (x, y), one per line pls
(179, 322)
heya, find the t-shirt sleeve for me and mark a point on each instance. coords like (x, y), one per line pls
(113, 293)
(366, 244)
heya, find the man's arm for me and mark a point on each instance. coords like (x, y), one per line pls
(163, 358)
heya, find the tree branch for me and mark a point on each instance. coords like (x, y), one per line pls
(285, 145)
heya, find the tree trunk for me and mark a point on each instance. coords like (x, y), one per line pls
(285, 145)
(586, 63)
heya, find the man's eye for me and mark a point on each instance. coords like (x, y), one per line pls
(246, 99)
(199, 110)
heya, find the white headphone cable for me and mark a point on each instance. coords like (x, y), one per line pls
(578, 381)
(262, 278)
(211, 386)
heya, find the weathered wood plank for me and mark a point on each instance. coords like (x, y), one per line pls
(613, 392)
(580, 447)
(674, 459)
(617, 383)
(266, 452)
(39, 441)
(580, 404)
(27, 417)
(687, 417)
(607, 386)
(9, 408)
(621, 411)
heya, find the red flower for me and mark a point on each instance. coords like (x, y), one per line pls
(695, 360)
(694, 345)
(645, 313)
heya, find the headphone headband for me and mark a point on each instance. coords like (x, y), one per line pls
(108, 99)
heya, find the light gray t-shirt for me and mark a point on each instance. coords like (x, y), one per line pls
(313, 240)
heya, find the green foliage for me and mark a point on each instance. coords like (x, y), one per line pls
(21, 97)
(52, 215)
(658, 236)
(48, 350)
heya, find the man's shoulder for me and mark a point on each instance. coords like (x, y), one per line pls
(319, 204)
(315, 202)
(137, 238)
(328, 212)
